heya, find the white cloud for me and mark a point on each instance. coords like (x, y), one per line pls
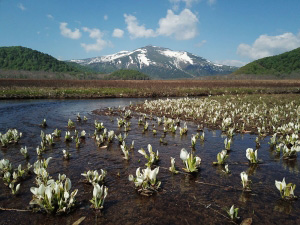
(49, 16)
(135, 30)
(266, 45)
(105, 17)
(201, 43)
(182, 26)
(100, 43)
(98, 46)
(21, 6)
(94, 33)
(231, 62)
(211, 2)
(188, 3)
(66, 32)
(118, 33)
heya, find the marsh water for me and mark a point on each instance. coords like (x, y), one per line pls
(183, 199)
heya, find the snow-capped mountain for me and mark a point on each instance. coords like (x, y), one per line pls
(157, 62)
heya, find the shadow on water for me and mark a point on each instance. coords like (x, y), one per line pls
(199, 198)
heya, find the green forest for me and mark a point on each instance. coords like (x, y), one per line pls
(283, 64)
(21, 58)
(127, 75)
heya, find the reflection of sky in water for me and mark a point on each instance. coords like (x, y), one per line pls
(34, 111)
(181, 195)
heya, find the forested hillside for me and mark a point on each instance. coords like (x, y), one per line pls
(21, 58)
(283, 64)
(127, 75)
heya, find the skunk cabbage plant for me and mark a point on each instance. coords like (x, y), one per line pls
(54, 197)
(71, 124)
(24, 152)
(66, 154)
(125, 151)
(172, 169)
(152, 157)
(146, 182)
(251, 155)
(221, 157)
(94, 177)
(99, 195)
(193, 141)
(191, 162)
(56, 133)
(227, 143)
(233, 213)
(286, 190)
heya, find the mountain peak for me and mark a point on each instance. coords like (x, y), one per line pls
(158, 62)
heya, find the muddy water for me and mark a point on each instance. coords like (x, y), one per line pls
(183, 199)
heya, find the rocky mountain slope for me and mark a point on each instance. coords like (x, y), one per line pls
(158, 62)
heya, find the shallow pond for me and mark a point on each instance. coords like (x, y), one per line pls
(183, 198)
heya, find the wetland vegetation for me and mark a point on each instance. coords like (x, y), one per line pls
(85, 160)
(236, 141)
(57, 89)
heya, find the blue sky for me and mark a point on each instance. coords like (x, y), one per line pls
(231, 32)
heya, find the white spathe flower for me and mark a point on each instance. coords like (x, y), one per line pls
(193, 140)
(223, 154)
(38, 191)
(147, 172)
(57, 189)
(153, 174)
(97, 191)
(248, 152)
(66, 195)
(198, 161)
(130, 177)
(172, 161)
(226, 168)
(149, 148)
(251, 155)
(68, 184)
(139, 181)
(184, 154)
(231, 211)
(244, 177)
(17, 188)
(48, 192)
(83, 133)
(280, 185)
(142, 151)
(15, 175)
(138, 174)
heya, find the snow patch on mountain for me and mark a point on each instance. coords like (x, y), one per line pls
(142, 58)
(113, 57)
(179, 56)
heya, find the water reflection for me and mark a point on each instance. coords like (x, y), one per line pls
(283, 206)
(291, 165)
(245, 197)
(252, 169)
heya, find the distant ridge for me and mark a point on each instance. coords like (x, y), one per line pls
(285, 64)
(158, 63)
